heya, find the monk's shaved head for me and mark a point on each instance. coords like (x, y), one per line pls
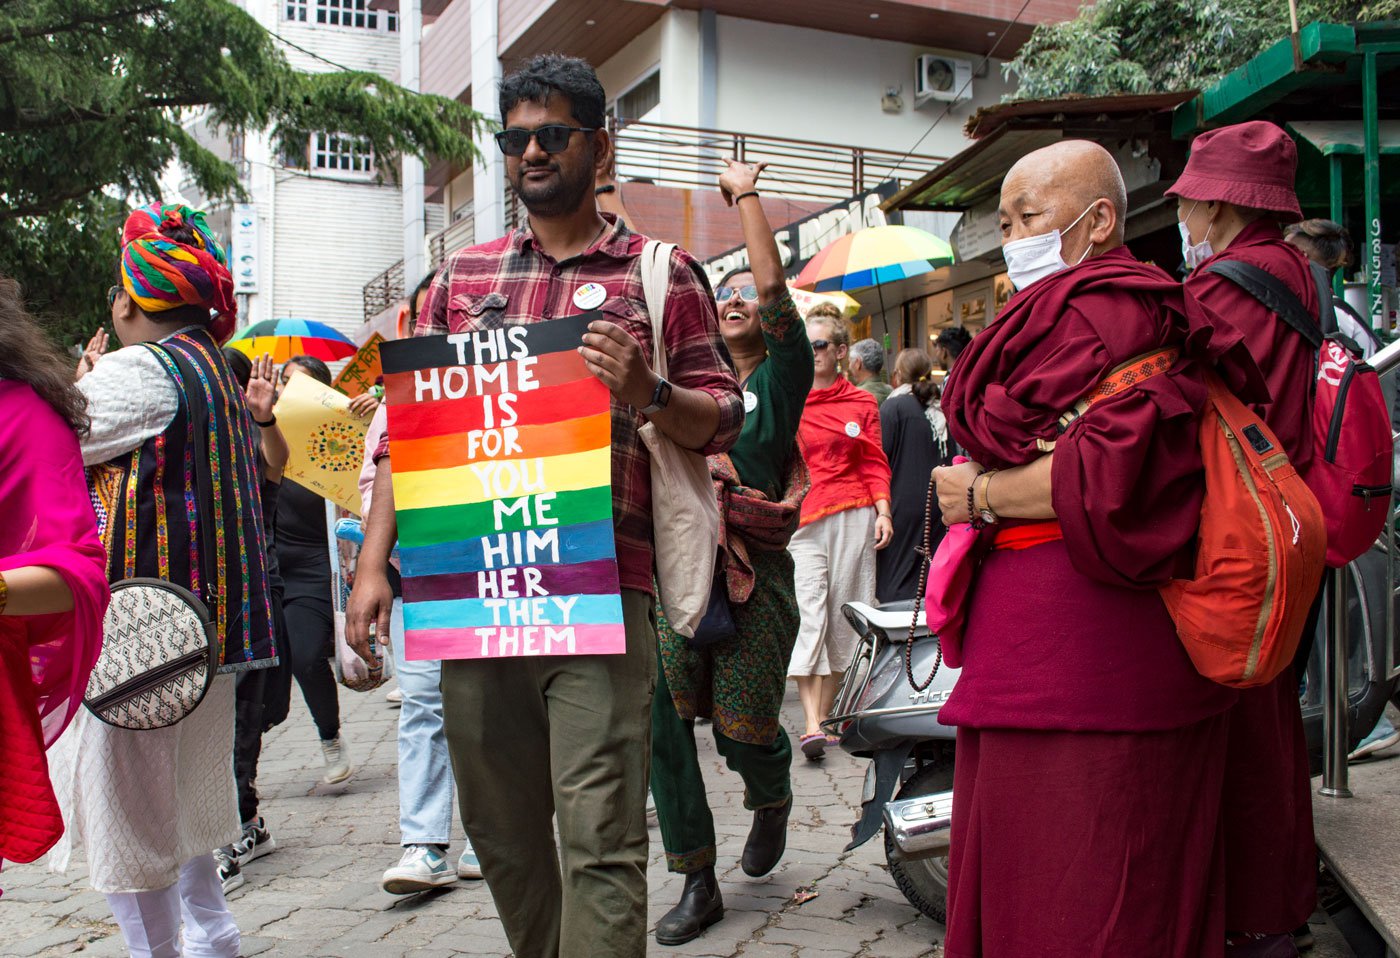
(1049, 189)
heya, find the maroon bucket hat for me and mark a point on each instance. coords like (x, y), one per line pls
(1249, 164)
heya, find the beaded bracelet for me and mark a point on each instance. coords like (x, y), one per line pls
(972, 517)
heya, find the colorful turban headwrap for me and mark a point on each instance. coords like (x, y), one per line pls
(160, 273)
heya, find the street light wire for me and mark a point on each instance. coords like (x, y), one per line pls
(301, 49)
(947, 109)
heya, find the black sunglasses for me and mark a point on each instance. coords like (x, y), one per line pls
(553, 138)
(112, 292)
(748, 294)
(819, 344)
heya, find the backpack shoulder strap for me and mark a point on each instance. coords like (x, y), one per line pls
(656, 276)
(1121, 377)
(1271, 291)
(1326, 312)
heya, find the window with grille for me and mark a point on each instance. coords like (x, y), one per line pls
(339, 153)
(355, 14)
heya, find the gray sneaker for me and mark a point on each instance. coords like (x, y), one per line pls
(422, 867)
(469, 866)
(337, 756)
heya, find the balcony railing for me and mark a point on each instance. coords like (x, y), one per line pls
(384, 290)
(802, 169)
(450, 239)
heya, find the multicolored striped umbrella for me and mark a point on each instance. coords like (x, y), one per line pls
(284, 338)
(872, 256)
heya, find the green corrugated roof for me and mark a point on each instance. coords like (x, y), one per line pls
(1268, 77)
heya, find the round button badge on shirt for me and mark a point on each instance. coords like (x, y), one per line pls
(853, 429)
(750, 402)
(590, 296)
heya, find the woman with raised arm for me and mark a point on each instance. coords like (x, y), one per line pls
(738, 682)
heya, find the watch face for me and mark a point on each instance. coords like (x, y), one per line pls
(988, 516)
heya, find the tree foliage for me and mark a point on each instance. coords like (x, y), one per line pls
(1146, 46)
(93, 99)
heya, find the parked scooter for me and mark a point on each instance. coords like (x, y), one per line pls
(879, 715)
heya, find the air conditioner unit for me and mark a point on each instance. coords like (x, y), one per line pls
(941, 78)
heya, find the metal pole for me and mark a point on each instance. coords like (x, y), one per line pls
(1372, 157)
(1334, 705)
(1338, 202)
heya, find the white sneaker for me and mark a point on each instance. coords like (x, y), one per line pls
(394, 696)
(337, 757)
(422, 867)
(468, 866)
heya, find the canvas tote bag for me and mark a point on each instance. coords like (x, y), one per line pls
(684, 510)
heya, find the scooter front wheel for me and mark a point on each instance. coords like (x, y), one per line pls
(923, 881)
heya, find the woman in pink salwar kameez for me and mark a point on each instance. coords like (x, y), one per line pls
(53, 585)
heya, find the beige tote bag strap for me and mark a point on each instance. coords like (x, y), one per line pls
(656, 276)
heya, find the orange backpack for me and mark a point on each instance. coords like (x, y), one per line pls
(1259, 548)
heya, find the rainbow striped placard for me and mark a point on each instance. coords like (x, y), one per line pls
(501, 443)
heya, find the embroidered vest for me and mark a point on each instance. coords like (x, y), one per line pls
(154, 504)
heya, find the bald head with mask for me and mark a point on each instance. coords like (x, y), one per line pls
(1060, 205)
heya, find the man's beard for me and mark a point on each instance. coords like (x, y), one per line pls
(563, 195)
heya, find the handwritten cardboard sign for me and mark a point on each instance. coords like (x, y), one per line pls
(501, 444)
(327, 440)
(362, 370)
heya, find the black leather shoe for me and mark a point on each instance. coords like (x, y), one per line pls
(767, 840)
(701, 905)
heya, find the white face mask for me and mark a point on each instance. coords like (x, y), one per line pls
(1194, 254)
(1036, 257)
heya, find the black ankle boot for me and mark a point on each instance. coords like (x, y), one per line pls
(701, 905)
(767, 840)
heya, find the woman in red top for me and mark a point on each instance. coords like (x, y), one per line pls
(846, 511)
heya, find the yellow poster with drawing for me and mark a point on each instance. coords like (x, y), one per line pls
(327, 441)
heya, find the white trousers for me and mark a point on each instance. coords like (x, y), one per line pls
(833, 563)
(150, 920)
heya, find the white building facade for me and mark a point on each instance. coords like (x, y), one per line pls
(320, 220)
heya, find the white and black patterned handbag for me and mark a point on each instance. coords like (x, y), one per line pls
(158, 656)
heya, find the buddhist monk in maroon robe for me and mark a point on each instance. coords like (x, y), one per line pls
(1236, 189)
(1090, 753)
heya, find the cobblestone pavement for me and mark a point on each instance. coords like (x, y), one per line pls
(319, 894)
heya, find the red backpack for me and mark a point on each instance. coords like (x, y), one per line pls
(1259, 547)
(1353, 450)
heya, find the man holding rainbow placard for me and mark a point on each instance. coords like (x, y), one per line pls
(519, 489)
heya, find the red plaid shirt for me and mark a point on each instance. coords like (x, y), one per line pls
(512, 281)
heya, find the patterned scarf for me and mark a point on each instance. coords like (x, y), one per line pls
(160, 273)
(933, 412)
(750, 520)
